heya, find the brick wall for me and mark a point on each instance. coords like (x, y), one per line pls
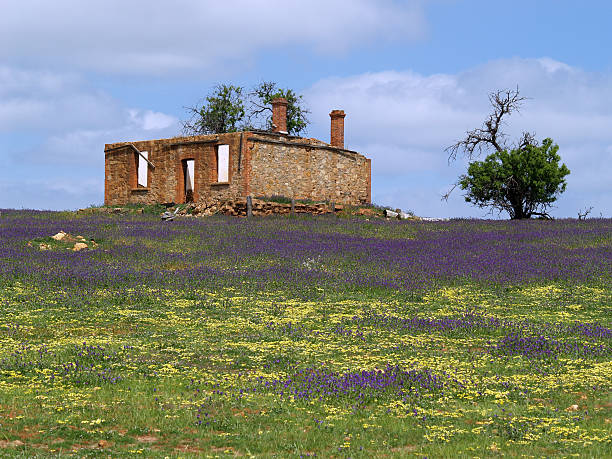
(337, 128)
(260, 164)
(166, 180)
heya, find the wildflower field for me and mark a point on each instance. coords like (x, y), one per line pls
(303, 337)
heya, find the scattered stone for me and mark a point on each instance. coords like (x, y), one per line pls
(367, 211)
(79, 246)
(404, 216)
(391, 214)
(572, 408)
(169, 216)
(103, 444)
(238, 207)
(59, 236)
(67, 241)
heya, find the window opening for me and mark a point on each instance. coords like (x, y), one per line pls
(223, 163)
(143, 168)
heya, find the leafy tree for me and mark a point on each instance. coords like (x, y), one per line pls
(223, 112)
(523, 182)
(260, 110)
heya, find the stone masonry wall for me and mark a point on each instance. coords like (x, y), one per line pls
(260, 164)
(308, 169)
(116, 177)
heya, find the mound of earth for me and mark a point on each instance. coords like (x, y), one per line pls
(65, 240)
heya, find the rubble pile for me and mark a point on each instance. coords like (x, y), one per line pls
(238, 207)
(261, 207)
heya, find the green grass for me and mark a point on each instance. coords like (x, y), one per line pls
(175, 353)
(132, 372)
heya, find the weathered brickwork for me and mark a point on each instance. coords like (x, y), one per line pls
(337, 128)
(260, 164)
(166, 181)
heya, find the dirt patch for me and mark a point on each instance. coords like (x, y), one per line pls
(11, 444)
(104, 444)
(12, 413)
(147, 439)
(187, 448)
(27, 434)
(245, 412)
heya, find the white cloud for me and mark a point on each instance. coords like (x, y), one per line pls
(552, 66)
(404, 121)
(390, 103)
(19, 82)
(145, 38)
(150, 120)
(84, 147)
(43, 101)
(71, 122)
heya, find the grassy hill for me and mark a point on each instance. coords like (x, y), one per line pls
(305, 336)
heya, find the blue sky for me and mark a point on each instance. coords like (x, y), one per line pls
(412, 77)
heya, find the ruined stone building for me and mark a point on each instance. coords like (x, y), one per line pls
(221, 167)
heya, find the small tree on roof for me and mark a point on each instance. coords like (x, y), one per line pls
(222, 112)
(260, 111)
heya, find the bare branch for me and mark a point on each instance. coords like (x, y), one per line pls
(191, 125)
(446, 195)
(527, 138)
(583, 214)
(490, 135)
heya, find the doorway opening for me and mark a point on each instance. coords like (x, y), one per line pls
(188, 174)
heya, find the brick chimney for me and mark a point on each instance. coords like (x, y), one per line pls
(279, 115)
(337, 128)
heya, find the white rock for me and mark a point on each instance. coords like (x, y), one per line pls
(434, 219)
(59, 236)
(404, 216)
(79, 246)
(390, 214)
